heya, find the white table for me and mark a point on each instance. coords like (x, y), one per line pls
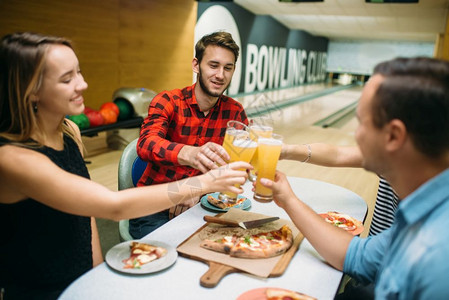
(307, 272)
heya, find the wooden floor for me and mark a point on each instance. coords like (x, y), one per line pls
(294, 123)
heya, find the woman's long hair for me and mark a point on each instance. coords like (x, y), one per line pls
(22, 65)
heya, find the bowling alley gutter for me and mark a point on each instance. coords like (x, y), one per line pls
(337, 116)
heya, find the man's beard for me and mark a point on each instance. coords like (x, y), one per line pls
(206, 90)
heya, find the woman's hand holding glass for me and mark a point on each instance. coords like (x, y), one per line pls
(226, 178)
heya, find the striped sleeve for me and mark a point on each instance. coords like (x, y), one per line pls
(384, 209)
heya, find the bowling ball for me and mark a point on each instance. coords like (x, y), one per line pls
(80, 120)
(126, 109)
(95, 118)
(87, 109)
(110, 105)
(109, 115)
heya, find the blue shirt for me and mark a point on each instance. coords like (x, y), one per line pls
(411, 259)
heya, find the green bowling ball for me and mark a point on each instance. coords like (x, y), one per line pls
(126, 110)
(81, 120)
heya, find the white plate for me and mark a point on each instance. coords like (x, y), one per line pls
(116, 255)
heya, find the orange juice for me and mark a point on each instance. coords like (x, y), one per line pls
(261, 131)
(235, 131)
(269, 150)
(230, 135)
(241, 150)
(258, 131)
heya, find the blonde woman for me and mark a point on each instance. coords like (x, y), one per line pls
(47, 202)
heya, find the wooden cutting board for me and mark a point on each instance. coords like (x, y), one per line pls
(217, 270)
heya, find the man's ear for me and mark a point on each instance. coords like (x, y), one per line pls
(195, 65)
(396, 135)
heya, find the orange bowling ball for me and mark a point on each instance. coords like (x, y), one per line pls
(109, 115)
(110, 105)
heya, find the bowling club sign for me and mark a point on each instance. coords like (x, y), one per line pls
(271, 55)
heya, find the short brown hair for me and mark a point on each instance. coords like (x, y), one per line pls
(415, 91)
(219, 38)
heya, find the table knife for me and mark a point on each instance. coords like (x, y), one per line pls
(244, 225)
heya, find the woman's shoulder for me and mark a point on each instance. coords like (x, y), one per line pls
(16, 161)
(16, 154)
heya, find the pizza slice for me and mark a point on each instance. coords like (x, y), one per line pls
(261, 245)
(343, 221)
(224, 204)
(142, 254)
(223, 245)
(282, 294)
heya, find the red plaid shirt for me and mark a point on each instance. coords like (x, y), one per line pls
(174, 120)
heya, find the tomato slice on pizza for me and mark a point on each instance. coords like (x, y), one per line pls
(343, 221)
(142, 254)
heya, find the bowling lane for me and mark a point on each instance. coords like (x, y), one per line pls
(269, 101)
(307, 112)
(255, 100)
(295, 122)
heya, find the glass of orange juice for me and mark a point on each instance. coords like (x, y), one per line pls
(259, 127)
(234, 129)
(240, 147)
(268, 151)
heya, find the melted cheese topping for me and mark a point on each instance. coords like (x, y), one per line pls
(228, 239)
(145, 258)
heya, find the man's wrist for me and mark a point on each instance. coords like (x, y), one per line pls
(184, 155)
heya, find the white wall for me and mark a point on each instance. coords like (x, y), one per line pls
(360, 57)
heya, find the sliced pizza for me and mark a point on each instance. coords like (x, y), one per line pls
(261, 245)
(224, 204)
(142, 254)
(343, 221)
(282, 294)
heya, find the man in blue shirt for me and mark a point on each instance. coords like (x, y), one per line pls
(403, 133)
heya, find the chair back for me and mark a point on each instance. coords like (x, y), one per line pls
(138, 168)
(130, 169)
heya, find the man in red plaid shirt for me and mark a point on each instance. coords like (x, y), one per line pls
(185, 128)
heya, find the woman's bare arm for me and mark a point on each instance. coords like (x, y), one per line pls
(323, 154)
(26, 173)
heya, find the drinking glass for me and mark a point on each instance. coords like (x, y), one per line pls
(269, 150)
(259, 127)
(234, 129)
(240, 147)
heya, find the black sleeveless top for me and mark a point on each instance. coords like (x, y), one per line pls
(40, 247)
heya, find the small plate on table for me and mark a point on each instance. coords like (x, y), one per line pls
(115, 256)
(245, 205)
